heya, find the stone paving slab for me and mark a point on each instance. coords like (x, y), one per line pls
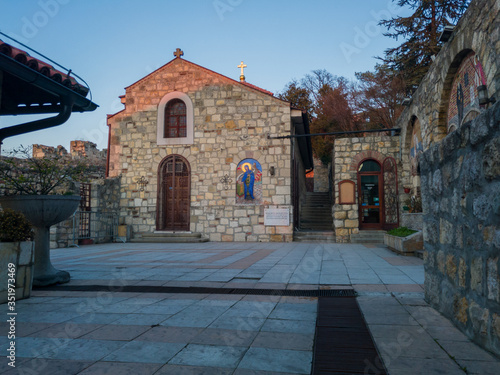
(109, 332)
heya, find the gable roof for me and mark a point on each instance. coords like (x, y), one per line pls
(232, 81)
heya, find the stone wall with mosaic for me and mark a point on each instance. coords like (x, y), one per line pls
(448, 95)
(459, 174)
(235, 171)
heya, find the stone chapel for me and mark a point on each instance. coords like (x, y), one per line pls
(193, 153)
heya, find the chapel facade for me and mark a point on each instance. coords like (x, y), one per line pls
(193, 154)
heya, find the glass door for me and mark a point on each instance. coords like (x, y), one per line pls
(369, 194)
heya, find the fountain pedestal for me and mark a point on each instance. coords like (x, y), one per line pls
(43, 211)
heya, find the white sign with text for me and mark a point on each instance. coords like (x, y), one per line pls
(277, 216)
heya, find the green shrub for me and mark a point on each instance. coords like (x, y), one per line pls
(401, 232)
(14, 227)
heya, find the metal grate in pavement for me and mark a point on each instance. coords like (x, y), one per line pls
(203, 290)
(343, 343)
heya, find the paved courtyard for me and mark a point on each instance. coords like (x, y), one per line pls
(120, 332)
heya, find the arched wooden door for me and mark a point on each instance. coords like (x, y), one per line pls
(174, 194)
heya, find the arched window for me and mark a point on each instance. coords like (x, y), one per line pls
(369, 166)
(175, 119)
(175, 124)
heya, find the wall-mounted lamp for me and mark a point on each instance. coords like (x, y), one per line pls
(482, 93)
(271, 171)
(142, 182)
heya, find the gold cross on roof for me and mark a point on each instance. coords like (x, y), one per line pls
(242, 66)
(178, 53)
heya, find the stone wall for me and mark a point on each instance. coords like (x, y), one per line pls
(461, 202)
(22, 255)
(413, 221)
(476, 31)
(321, 183)
(88, 150)
(105, 198)
(459, 179)
(41, 151)
(347, 154)
(231, 123)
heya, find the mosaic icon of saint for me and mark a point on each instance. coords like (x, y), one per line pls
(248, 181)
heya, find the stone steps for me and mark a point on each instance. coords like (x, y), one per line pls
(167, 237)
(368, 236)
(314, 236)
(316, 214)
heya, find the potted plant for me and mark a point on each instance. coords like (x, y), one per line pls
(403, 240)
(38, 188)
(413, 204)
(16, 250)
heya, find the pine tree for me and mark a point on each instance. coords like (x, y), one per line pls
(421, 31)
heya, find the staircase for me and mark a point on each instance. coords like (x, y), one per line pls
(315, 224)
(166, 237)
(368, 236)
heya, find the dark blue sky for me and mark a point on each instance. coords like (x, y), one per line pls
(112, 44)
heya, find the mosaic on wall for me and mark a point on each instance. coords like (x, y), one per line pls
(464, 101)
(390, 191)
(249, 182)
(416, 147)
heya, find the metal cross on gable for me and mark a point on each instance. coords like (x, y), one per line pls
(242, 67)
(178, 53)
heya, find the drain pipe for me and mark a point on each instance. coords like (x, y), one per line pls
(61, 118)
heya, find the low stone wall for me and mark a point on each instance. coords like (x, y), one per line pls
(105, 198)
(404, 245)
(22, 255)
(461, 202)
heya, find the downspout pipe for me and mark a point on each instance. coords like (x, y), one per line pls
(61, 118)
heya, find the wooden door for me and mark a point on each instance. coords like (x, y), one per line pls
(370, 195)
(173, 211)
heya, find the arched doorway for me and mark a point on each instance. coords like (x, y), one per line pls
(174, 194)
(370, 194)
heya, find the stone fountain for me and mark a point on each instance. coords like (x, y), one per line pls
(43, 211)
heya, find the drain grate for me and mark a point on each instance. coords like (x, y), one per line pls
(203, 290)
(343, 343)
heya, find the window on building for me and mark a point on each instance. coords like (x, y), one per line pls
(175, 119)
(369, 166)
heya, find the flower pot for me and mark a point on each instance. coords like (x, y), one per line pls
(407, 190)
(43, 211)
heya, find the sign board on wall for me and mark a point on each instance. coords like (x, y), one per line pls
(346, 192)
(277, 216)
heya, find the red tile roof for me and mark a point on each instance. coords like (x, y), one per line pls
(43, 68)
(257, 88)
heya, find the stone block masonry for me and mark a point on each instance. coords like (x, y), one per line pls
(348, 153)
(231, 123)
(461, 204)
